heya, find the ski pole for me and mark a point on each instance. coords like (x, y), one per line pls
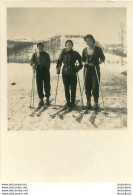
(80, 89)
(100, 90)
(84, 74)
(33, 86)
(32, 90)
(56, 90)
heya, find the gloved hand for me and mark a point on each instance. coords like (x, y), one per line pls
(77, 69)
(33, 65)
(57, 70)
(100, 61)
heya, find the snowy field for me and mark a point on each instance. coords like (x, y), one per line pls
(114, 88)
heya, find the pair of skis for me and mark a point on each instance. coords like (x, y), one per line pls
(40, 109)
(85, 111)
(63, 111)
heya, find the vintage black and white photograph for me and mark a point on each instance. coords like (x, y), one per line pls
(66, 68)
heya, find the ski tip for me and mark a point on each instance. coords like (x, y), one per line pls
(31, 115)
(61, 117)
(74, 116)
(52, 116)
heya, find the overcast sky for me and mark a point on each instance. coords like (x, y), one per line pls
(40, 23)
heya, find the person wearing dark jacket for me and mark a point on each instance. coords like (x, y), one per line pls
(41, 62)
(69, 71)
(92, 56)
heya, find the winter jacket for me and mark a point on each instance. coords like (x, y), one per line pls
(69, 58)
(41, 59)
(98, 54)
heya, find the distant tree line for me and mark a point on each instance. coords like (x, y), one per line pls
(17, 52)
(14, 47)
(116, 51)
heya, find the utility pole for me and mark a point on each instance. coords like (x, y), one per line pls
(122, 32)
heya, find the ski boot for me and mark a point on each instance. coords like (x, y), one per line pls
(41, 103)
(88, 105)
(47, 101)
(67, 105)
(96, 107)
(72, 104)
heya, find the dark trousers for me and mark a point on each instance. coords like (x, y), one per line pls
(43, 81)
(91, 85)
(70, 83)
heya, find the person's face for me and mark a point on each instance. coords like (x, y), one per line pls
(89, 42)
(40, 47)
(69, 46)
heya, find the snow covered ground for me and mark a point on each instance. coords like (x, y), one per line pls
(114, 86)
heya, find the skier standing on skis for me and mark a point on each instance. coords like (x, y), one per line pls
(69, 57)
(92, 56)
(41, 62)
